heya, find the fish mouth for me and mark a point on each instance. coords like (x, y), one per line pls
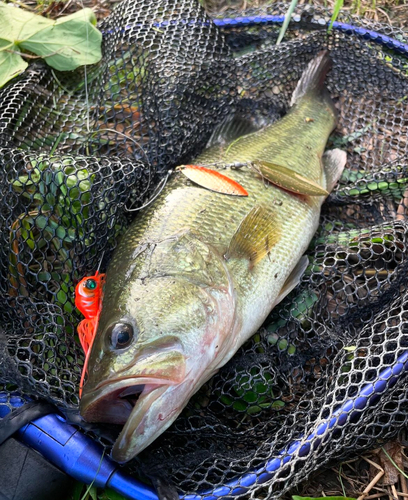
(139, 397)
(128, 402)
(113, 400)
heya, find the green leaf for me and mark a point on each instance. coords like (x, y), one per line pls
(41, 221)
(109, 494)
(286, 22)
(337, 7)
(44, 276)
(70, 42)
(77, 491)
(93, 493)
(19, 24)
(11, 64)
(62, 297)
(68, 307)
(65, 44)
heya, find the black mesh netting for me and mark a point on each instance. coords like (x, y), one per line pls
(77, 149)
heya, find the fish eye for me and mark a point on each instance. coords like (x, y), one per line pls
(121, 335)
(90, 284)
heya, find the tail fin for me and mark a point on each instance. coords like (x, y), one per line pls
(313, 77)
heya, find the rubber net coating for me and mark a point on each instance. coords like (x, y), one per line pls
(75, 155)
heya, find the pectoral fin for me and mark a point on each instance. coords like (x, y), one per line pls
(288, 179)
(255, 236)
(333, 163)
(293, 279)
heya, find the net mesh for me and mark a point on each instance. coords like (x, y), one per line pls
(76, 155)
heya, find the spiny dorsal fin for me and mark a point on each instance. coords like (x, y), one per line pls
(313, 77)
(293, 279)
(257, 233)
(334, 162)
(212, 180)
(289, 179)
(232, 127)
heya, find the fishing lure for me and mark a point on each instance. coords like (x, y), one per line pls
(88, 299)
(212, 180)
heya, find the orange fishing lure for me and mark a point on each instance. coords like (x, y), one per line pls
(88, 299)
(212, 180)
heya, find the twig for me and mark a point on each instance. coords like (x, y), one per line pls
(374, 480)
(385, 14)
(394, 491)
(404, 486)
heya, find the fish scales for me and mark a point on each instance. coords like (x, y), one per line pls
(182, 292)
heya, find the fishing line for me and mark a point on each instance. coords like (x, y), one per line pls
(159, 187)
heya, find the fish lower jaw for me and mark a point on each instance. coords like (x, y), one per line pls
(114, 404)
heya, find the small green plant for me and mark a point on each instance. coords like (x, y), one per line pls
(336, 11)
(252, 392)
(64, 44)
(59, 197)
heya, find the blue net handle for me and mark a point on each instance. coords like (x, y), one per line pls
(349, 29)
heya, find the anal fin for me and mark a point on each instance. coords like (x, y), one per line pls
(334, 162)
(293, 279)
(288, 179)
(257, 233)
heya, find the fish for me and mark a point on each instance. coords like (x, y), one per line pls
(198, 271)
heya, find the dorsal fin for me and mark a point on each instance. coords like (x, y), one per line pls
(257, 233)
(232, 127)
(313, 77)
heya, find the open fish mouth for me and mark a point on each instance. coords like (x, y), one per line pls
(128, 402)
(134, 399)
(114, 402)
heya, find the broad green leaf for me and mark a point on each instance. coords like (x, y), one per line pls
(18, 24)
(65, 44)
(70, 42)
(11, 64)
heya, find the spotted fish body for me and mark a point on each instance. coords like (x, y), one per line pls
(198, 271)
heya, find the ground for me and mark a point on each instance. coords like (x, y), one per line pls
(381, 473)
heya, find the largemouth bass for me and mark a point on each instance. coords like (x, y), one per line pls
(197, 273)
